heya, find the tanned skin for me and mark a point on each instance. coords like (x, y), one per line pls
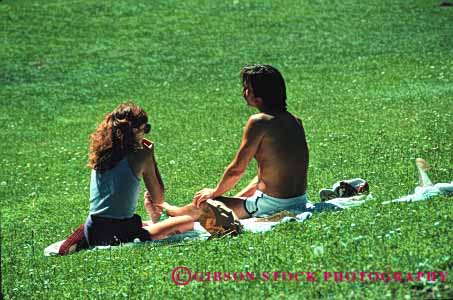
(143, 164)
(277, 141)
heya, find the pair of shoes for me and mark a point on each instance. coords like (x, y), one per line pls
(218, 219)
(74, 242)
(327, 194)
(344, 189)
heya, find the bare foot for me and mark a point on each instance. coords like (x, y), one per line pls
(422, 164)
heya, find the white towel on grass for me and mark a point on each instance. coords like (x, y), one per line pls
(251, 224)
(426, 190)
(198, 233)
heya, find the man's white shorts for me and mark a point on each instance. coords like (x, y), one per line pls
(260, 204)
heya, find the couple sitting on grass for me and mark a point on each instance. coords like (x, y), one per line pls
(120, 156)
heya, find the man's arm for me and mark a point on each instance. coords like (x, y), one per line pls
(251, 139)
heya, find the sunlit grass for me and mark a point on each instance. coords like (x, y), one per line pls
(371, 81)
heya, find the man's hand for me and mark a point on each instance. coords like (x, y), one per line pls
(202, 196)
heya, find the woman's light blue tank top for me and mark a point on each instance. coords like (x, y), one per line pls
(114, 193)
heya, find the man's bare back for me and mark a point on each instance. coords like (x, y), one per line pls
(276, 139)
(282, 156)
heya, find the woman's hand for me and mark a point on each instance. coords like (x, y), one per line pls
(203, 195)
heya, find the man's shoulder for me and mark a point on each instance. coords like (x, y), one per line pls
(258, 122)
(265, 118)
(260, 118)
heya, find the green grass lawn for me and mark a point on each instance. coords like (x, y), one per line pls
(371, 80)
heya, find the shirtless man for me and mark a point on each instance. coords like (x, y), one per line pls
(276, 139)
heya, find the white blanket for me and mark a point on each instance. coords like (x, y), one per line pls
(250, 225)
(427, 189)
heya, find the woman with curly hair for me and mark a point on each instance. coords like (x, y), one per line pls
(120, 157)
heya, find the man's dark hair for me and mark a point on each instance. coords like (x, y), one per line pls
(268, 84)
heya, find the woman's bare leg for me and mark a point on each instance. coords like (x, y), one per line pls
(172, 210)
(169, 227)
(187, 210)
(235, 203)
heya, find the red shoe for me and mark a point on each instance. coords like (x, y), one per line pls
(70, 244)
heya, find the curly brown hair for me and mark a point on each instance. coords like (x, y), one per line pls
(114, 138)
